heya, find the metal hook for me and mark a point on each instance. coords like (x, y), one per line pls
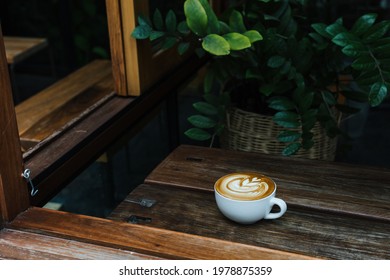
(26, 175)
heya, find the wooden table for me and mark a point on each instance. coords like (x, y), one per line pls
(335, 211)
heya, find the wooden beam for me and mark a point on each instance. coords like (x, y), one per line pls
(138, 238)
(13, 189)
(116, 45)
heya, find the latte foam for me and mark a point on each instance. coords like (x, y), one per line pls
(245, 186)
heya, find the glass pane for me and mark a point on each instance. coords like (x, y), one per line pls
(125, 164)
(45, 42)
(122, 167)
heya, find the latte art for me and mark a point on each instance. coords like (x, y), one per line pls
(245, 186)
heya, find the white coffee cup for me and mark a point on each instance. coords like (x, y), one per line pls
(247, 197)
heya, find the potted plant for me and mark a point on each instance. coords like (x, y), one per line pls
(267, 58)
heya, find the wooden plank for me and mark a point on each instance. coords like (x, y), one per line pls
(19, 245)
(13, 189)
(315, 233)
(55, 120)
(132, 48)
(19, 48)
(116, 45)
(138, 238)
(37, 107)
(321, 185)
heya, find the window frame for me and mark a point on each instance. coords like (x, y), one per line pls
(57, 159)
(136, 66)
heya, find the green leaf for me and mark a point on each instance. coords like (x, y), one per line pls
(168, 43)
(281, 104)
(377, 94)
(223, 27)
(182, 27)
(336, 28)
(317, 38)
(171, 21)
(197, 134)
(320, 28)
(286, 68)
(253, 36)
(208, 81)
(154, 35)
(276, 61)
(309, 119)
(141, 32)
(142, 20)
(291, 149)
(183, 47)
(354, 49)
(237, 41)
(202, 121)
(196, 17)
(368, 78)
(216, 45)
(287, 119)
(305, 100)
(329, 98)
(158, 20)
(344, 38)
(289, 136)
(377, 31)
(213, 23)
(365, 63)
(381, 44)
(236, 22)
(205, 108)
(363, 23)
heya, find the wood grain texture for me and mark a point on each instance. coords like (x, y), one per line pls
(35, 109)
(19, 245)
(55, 120)
(320, 185)
(13, 188)
(114, 22)
(19, 48)
(138, 238)
(302, 231)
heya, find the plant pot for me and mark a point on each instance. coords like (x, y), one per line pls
(251, 132)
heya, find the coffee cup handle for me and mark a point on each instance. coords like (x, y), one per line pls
(282, 205)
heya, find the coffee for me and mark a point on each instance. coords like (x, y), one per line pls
(245, 186)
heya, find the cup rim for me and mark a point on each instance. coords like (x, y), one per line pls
(247, 172)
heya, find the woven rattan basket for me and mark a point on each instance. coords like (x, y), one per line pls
(258, 133)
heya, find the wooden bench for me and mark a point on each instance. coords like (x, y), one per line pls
(51, 109)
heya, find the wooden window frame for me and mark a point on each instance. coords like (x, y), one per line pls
(62, 155)
(136, 66)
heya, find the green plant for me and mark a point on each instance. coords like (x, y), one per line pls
(267, 57)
